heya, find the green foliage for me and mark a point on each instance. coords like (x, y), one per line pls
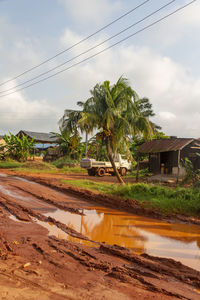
(113, 111)
(65, 162)
(97, 149)
(192, 174)
(168, 200)
(9, 164)
(17, 148)
(158, 135)
(70, 145)
(142, 173)
(90, 185)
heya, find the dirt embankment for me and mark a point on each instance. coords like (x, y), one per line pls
(35, 265)
(129, 205)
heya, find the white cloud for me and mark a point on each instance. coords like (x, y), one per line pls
(184, 24)
(173, 91)
(18, 113)
(90, 11)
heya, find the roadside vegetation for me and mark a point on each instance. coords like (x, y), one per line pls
(121, 122)
(176, 200)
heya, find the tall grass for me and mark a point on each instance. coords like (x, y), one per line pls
(168, 200)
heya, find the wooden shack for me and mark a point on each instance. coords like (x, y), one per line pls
(166, 155)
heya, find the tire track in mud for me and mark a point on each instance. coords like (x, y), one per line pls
(123, 273)
(49, 200)
(23, 213)
(144, 270)
(92, 262)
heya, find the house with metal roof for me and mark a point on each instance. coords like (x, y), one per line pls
(42, 140)
(166, 155)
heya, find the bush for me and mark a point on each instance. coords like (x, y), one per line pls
(65, 162)
(168, 200)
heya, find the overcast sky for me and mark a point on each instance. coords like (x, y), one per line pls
(161, 63)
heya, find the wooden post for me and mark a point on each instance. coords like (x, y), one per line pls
(178, 173)
(138, 168)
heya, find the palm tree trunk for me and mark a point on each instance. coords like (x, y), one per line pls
(110, 156)
(86, 142)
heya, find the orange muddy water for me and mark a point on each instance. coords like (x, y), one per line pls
(100, 224)
(141, 235)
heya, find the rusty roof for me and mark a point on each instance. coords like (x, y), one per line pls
(165, 145)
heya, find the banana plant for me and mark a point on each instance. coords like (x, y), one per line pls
(17, 147)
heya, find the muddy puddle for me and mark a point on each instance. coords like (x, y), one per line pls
(141, 235)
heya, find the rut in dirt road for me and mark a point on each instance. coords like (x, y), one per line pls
(108, 270)
(92, 224)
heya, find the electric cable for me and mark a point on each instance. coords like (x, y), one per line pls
(76, 44)
(105, 49)
(90, 49)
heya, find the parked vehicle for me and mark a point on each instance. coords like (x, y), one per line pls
(100, 168)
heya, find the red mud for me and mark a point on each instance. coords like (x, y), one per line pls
(34, 265)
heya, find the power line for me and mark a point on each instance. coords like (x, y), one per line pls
(76, 44)
(105, 49)
(90, 49)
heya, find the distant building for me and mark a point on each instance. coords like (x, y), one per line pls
(165, 155)
(42, 140)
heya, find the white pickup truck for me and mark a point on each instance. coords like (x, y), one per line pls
(101, 167)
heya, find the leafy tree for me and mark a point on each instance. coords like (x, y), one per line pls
(17, 147)
(70, 145)
(113, 112)
(192, 174)
(158, 135)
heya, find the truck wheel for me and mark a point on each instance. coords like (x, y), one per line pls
(123, 171)
(101, 172)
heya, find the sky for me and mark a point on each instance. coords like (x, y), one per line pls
(161, 63)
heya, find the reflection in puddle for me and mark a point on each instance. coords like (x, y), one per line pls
(141, 235)
(59, 233)
(3, 175)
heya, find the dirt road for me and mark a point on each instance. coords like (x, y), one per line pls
(38, 264)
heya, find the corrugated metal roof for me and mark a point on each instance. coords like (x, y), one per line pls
(39, 136)
(164, 145)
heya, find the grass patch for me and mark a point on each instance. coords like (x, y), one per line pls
(9, 164)
(35, 166)
(90, 185)
(168, 200)
(179, 200)
(64, 162)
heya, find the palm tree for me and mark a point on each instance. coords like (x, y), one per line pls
(113, 112)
